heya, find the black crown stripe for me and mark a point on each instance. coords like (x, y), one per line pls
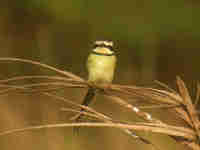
(104, 45)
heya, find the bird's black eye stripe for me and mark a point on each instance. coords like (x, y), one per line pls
(103, 45)
(95, 46)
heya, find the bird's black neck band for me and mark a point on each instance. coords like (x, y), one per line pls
(103, 54)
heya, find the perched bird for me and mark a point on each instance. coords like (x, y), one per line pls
(101, 67)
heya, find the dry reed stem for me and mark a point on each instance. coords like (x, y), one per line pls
(168, 130)
(189, 106)
(66, 74)
(197, 94)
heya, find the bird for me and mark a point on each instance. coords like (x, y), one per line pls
(101, 64)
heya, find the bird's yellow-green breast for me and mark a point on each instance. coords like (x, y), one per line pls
(101, 65)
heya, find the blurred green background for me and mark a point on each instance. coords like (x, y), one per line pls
(154, 40)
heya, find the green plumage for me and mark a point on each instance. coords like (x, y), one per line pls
(101, 67)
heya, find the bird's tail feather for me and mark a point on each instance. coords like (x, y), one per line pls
(89, 96)
(87, 100)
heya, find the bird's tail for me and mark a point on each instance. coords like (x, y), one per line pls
(87, 100)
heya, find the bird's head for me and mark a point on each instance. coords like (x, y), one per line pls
(103, 47)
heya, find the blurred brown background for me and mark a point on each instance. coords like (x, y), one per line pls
(154, 40)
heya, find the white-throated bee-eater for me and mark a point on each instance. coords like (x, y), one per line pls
(101, 67)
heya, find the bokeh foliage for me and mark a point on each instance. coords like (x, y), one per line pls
(154, 40)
